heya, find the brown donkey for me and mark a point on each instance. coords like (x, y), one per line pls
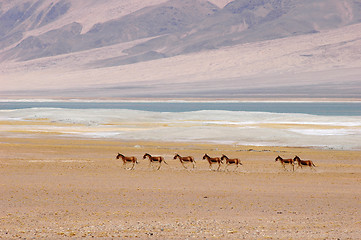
(185, 159)
(286, 161)
(159, 159)
(304, 162)
(212, 160)
(127, 159)
(230, 161)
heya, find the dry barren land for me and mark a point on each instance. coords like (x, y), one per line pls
(57, 188)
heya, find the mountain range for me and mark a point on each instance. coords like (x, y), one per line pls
(181, 48)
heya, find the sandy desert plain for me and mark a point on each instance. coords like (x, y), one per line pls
(54, 187)
(60, 187)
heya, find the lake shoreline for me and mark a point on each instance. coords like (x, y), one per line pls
(200, 100)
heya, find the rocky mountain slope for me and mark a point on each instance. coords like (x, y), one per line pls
(41, 38)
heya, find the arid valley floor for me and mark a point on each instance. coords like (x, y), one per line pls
(59, 176)
(54, 188)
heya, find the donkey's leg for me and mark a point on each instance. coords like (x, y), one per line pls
(312, 166)
(235, 167)
(284, 166)
(183, 165)
(133, 166)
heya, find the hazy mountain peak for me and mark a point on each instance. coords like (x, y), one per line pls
(196, 25)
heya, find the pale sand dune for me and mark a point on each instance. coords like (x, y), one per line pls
(55, 188)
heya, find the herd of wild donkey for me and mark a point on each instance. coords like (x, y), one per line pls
(212, 160)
